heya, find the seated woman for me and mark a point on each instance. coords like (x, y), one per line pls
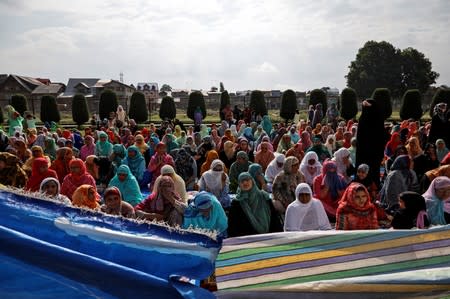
(283, 190)
(127, 184)
(437, 199)
(119, 152)
(356, 211)
(305, 213)
(252, 211)
(11, 174)
(158, 160)
(258, 175)
(114, 205)
(226, 153)
(36, 152)
(264, 155)
(51, 187)
(273, 169)
(61, 164)
(85, 196)
(39, 172)
(411, 213)
(362, 177)
(180, 187)
(103, 148)
(136, 162)
(186, 168)
(210, 156)
(241, 165)
(206, 212)
(344, 164)
(163, 204)
(78, 176)
(310, 167)
(216, 181)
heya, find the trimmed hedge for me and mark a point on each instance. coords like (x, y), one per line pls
(288, 105)
(138, 108)
(258, 103)
(411, 105)
(349, 105)
(49, 109)
(80, 110)
(317, 96)
(224, 101)
(108, 103)
(383, 97)
(167, 110)
(442, 95)
(196, 99)
(20, 103)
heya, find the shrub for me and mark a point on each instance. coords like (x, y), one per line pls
(196, 99)
(80, 111)
(442, 95)
(224, 101)
(49, 109)
(257, 102)
(167, 109)
(108, 103)
(349, 105)
(288, 105)
(19, 102)
(411, 105)
(138, 108)
(383, 97)
(318, 96)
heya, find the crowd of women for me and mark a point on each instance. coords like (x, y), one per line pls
(236, 178)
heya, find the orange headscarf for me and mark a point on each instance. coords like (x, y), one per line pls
(80, 197)
(210, 156)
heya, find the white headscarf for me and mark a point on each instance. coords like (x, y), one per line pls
(273, 169)
(305, 167)
(211, 179)
(338, 157)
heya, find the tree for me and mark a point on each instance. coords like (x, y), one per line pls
(49, 109)
(224, 102)
(318, 96)
(20, 103)
(288, 105)
(166, 88)
(411, 105)
(196, 100)
(383, 97)
(381, 64)
(80, 111)
(138, 108)
(257, 102)
(349, 105)
(167, 110)
(222, 88)
(442, 95)
(108, 103)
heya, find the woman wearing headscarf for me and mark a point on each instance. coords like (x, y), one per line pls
(205, 212)
(392, 145)
(163, 204)
(229, 135)
(437, 199)
(124, 136)
(39, 172)
(441, 149)
(413, 147)
(210, 156)
(283, 189)
(352, 150)
(401, 178)
(85, 196)
(310, 167)
(11, 174)
(92, 166)
(266, 124)
(356, 211)
(180, 187)
(264, 155)
(430, 175)
(344, 164)
(226, 155)
(251, 212)
(296, 151)
(125, 181)
(182, 139)
(320, 149)
(306, 213)
(305, 141)
(169, 141)
(22, 152)
(285, 144)
(204, 131)
(186, 168)
(136, 162)
(234, 131)
(121, 115)
(257, 174)
(103, 148)
(273, 169)
(330, 144)
(61, 164)
(401, 150)
(36, 152)
(51, 188)
(215, 138)
(412, 212)
(119, 153)
(426, 161)
(158, 160)
(114, 205)
(216, 182)
(143, 147)
(78, 176)
(88, 148)
(50, 148)
(328, 188)
(244, 146)
(241, 165)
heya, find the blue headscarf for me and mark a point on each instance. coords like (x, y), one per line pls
(136, 164)
(217, 219)
(435, 205)
(266, 123)
(129, 187)
(103, 148)
(255, 169)
(151, 148)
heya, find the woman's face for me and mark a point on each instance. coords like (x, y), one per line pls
(43, 168)
(360, 198)
(91, 194)
(264, 148)
(443, 193)
(304, 198)
(361, 174)
(131, 154)
(131, 139)
(75, 169)
(122, 176)
(87, 141)
(346, 160)
(112, 201)
(166, 189)
(68, 156)
(246, 185)
(50, 188)
(295, 167)
(36, 153)
(205, 212)
(401, 204)
(243, 145)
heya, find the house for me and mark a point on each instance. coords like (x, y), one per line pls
(15, 84)
(151, 93)
(52, 89)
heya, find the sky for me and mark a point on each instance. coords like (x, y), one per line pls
(196, 44)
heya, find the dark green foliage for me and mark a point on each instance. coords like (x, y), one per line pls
(383, 97)
(411, 105)
(108, 103)
(222, 88)
(196, 99)
(224, 101)
(167, 109)
(80, 111)
(1, 116)
(349, 105)
(318, 96)
(19, 102)
(49, 109)
(258, 103)
(166, 88)
(442, 95)
(138, 108)
(381, 64)
(288, 105)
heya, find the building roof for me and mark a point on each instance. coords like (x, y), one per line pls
(27, 83)
(73, 82)
(150, 84)
(52, 88)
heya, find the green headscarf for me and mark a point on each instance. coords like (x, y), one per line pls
(255, 204)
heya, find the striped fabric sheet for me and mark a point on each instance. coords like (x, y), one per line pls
(349, 261)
